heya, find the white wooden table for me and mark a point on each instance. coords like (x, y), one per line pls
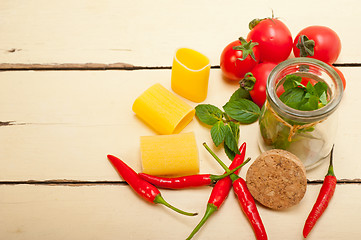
(70, 71)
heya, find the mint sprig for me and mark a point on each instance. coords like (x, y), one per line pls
(305, 98)
(225, 124)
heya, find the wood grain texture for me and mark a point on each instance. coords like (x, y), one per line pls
(108, 212)
(147, 33)
(62, 124)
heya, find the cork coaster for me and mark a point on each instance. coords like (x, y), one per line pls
(277, 179)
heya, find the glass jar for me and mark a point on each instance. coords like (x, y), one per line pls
(307, 134)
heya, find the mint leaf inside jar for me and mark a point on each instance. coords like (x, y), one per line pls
(306, 98)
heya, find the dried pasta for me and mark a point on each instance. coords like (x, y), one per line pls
(162, 110)
(169, 155)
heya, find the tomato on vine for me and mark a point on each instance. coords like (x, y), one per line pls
(258, 78)
(317, 42)
(238, 58)
(274, 39)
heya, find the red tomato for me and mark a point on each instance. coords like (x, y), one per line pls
(341, 76)
(274, 39)
(231, 64)
(327, 43)
(261, 73)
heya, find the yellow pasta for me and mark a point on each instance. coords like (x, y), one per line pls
(169, 155)
(190, 74)
(162, 110)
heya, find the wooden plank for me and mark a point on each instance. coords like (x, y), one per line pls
(109, 212)
(145, 33)
(60, 124)
(66, 66)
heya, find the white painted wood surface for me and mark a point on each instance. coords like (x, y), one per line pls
(63, 123)
(115, 212)
(147, 33)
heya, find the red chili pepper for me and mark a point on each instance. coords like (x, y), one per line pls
(179, 182)
(246, 201)
(249, 207)
(197, 180)
(220, 191)
(143, 188)
(324, 197)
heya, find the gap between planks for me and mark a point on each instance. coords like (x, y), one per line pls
(78, 183)
(102, 67)
(74, 67)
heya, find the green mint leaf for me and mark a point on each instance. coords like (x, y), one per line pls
(230, 154)
(208, 113)
(218, 132)
(305, 98)
(311, 89)
(243, 110)
(323, 98)
(310, 104)
(292, 81)
(235, 130)
(321, 88)
(293, 97)
(231, 139)
(240, 93)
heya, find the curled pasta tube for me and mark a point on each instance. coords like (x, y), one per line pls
(162, 110)
(190, 74)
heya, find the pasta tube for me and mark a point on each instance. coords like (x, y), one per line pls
(162, 110)
(169, 155)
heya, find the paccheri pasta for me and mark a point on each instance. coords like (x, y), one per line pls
(190, 74)
(162, 110)
(169, 155)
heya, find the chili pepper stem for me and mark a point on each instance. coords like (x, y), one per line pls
(160, 199)
(229, 172)
(216, 157)
(209, 211)
(233, 176)
(330, 168)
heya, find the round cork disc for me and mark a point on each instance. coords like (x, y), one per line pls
(277, 179)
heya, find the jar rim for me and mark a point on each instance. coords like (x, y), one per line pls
(294, 114)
